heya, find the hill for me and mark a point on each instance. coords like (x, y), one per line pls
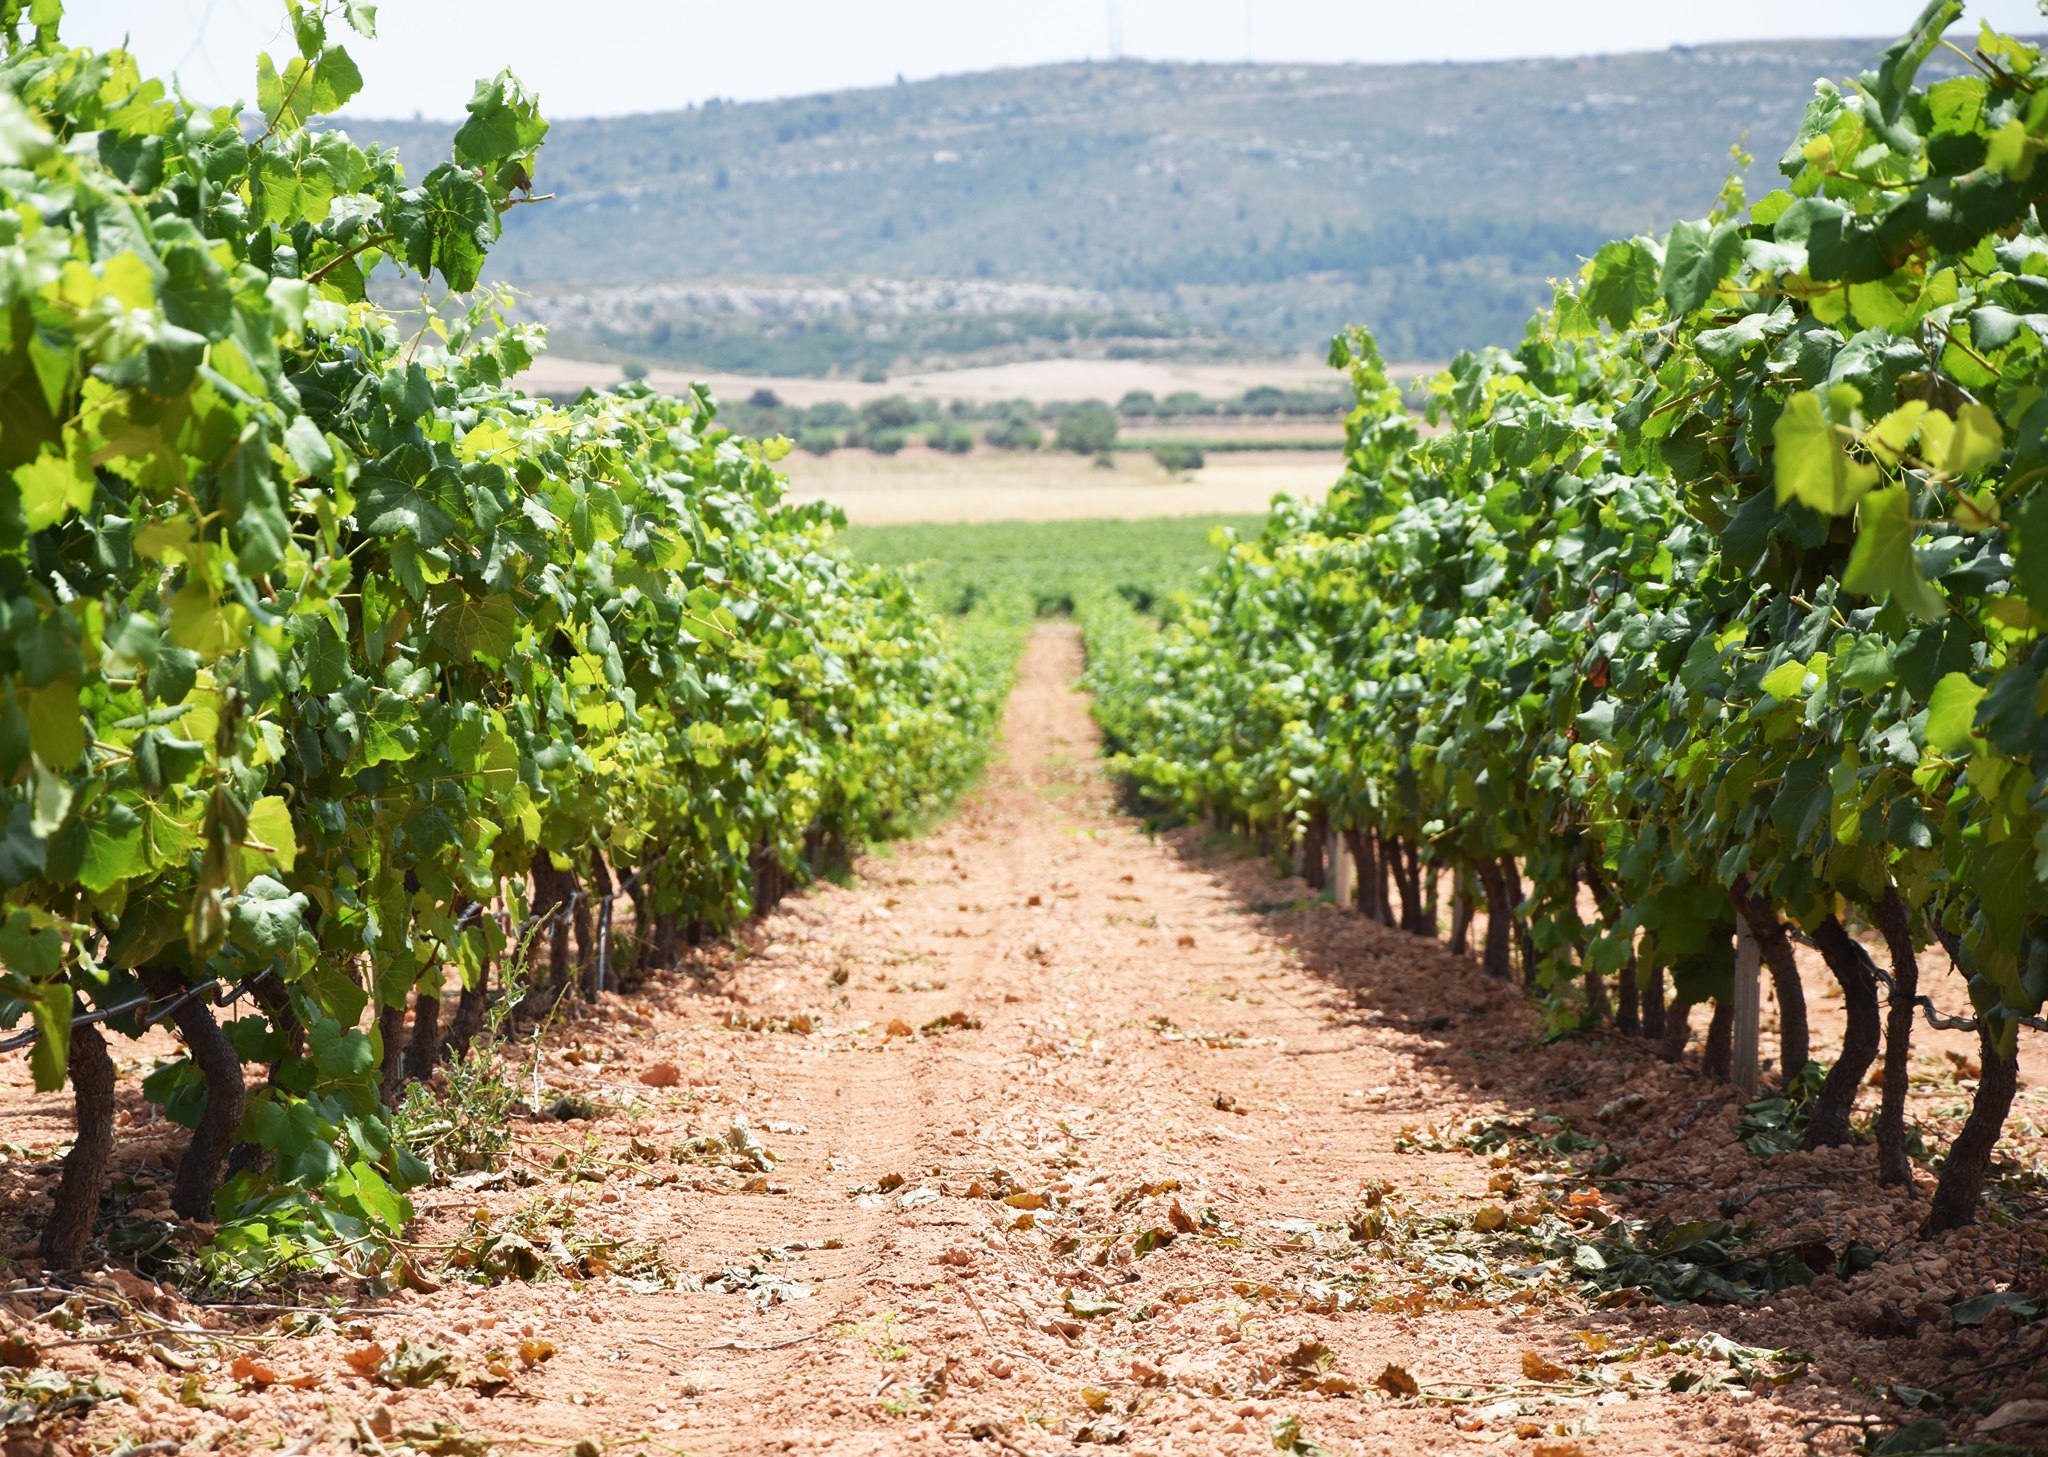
(1127, 208)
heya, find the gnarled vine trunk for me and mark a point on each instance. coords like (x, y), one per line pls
(1829, 1121)
(1717, 1054)
(1895, 921)
(221, 1068)
(1794, 1042)
(1677, 1028)
(1969, 1157)
(552, 889)
(1497, 957)
(77, 1205)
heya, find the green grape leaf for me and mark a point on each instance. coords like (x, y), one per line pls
(504, 122)
(267, 917)
(1952, 713)
(1697, 258)
(55, 729)
(270, 823)
(478, 627)
(445, 224)
(1882, 562)
(1622, 281)
(1812, 460)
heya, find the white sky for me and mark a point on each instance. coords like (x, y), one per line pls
(607, 57)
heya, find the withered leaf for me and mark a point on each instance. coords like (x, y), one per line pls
(1396, 1381)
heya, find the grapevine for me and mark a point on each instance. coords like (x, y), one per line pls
(336, 672)
(1719, 599)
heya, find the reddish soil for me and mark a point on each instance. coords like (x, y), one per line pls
(1147, 1038)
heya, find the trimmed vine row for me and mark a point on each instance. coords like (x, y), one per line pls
(337, 673)
(1718, 598)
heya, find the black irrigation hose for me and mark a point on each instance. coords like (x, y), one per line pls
(1936, 1018)
(225, 996)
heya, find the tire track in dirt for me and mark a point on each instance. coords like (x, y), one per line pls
(1144, 1052)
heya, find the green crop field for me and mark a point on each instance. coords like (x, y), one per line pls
(1049, 568)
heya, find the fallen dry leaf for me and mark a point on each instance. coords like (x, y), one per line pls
(2032, 1413)
(365, 1362)
(900, 1028)
(251, 1372)
(17, 1351)
(534, 1350)
(1396, 1381)
(661, 1075)
(1186, 942)
(1490, 1218)
(1557, 1449)
(1538, 1367)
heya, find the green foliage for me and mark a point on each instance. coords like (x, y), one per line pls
(1733, 577)
(1015, 432)
(312, 631)
(1179, 456)
(1089, 429)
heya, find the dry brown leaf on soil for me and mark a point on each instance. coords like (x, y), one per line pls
(251, 1372)
(365, 1362)
(1396, 1381)
(2015, 1414)
(1490, 1218)
(18, 1351)
(1186, 943)
(1538, 1367)
(534, 1350)
(661, 1075)
(1557, 1449)
(900, 1028)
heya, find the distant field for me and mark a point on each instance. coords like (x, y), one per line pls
(1044, 381)
(1049, 568)
(922, 486)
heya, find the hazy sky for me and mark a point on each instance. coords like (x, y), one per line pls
(605, 57)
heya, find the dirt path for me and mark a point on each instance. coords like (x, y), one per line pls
(945, 1253)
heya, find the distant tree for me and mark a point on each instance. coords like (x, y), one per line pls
(1015, 431)
(874, 374)
(891, 412)
(885, 442)
(633, 369)
(1178, 457)
(813, 441)
(1089, 430)
(1138, 403)
(951, 438)
(765, 399)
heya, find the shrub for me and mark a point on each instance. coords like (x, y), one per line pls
(885, 442)
(817, 442)
(952, 439)
(1089, 430)
(1178, 457)
(893, 412)
(1016, 432)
